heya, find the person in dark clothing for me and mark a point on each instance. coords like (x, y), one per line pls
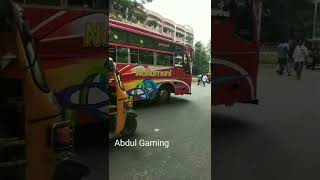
(282, 50)
(315, 56)
(199, 78)
(292, 46)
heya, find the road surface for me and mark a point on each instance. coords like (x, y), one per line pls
(278, 139)
(185, 123)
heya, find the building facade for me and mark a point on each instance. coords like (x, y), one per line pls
(155, 22)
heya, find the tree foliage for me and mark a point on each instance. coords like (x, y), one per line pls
(129, 10)
(284, 19)
(202, 59)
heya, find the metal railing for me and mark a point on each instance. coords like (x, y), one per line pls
(268, 53)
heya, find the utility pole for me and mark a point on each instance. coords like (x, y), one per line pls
(314, 19)
(200, 61)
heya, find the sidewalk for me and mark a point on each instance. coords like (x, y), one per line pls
(194, 79)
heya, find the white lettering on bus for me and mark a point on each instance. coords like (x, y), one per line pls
(150, 73)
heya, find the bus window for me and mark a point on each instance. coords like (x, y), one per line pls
(80, 3)
(122, 55)
(178, 60)
(45, 2)
(134, 56)
(238, 10)
(146, 57)
(112, 53)
(164, 59)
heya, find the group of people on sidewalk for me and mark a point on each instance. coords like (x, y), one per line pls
(203, 78)
(292, 55)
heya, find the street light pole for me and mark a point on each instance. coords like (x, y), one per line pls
(314, 19)
(200, 62)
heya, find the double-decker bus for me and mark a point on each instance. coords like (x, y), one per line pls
(151, 65)
(235, 49)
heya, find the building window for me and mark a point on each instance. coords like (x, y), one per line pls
(122, 55)
(164, 59)
(146, 57)
(165, 30)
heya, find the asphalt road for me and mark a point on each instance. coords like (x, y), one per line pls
(278, 139)
(185, 123)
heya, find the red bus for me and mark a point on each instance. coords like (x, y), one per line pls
(151, 65)
(235, 49)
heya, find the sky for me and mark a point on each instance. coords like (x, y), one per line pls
(196, 13)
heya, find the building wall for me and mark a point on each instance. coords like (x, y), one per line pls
(164, 26)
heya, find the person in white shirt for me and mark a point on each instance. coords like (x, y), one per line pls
(299, 55)
(204, 79)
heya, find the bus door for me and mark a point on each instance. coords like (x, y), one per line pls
(235, 49)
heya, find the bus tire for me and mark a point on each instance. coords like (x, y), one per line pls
(164, 94)
(131, 124)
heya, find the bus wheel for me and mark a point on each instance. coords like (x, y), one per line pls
(131, 124)
(163, 94)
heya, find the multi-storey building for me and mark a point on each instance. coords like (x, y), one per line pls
(155, 22)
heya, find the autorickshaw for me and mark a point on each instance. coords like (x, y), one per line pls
(122, 119)
(35, 139)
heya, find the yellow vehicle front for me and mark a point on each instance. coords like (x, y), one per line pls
(122, 119)
(35, 139)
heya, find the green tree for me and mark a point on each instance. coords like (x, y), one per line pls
(283, 19)
(202, 59)
(130, 10)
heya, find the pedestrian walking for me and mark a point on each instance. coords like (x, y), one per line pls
(282, 50)
(315, 56)
(204, 80)
(290, 63)
(199, 79)
(299, 55)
